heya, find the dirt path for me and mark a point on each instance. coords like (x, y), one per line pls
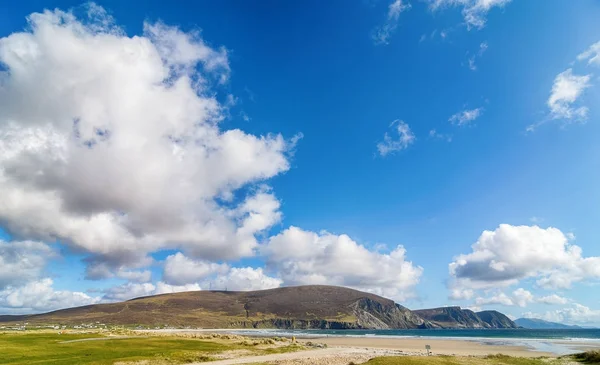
(332, 355)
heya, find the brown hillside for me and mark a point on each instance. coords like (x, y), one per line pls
(313, 306)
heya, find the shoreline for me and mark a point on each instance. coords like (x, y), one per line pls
(438, 346)
(459, 346)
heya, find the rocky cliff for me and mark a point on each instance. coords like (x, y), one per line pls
(456, 317)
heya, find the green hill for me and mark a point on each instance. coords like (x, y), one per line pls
(300, 307)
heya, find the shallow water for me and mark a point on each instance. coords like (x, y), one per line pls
(558, 341)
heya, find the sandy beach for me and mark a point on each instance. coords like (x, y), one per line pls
(341, 350)
(416, 346)
(358, 350)
(438, 346)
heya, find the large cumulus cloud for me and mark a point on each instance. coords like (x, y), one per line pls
(112, 144)
(22, 261)
(305, 257)
(509, 254)
(575, 314)
(40, 295)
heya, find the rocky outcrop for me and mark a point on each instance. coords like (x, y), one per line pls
(456, 317)
(375, 314)
(495, 319)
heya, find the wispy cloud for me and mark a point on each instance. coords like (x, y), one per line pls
(465, 117)
(474, 11)
(567, 88)
(566, 91)
(536, 220)
(442, 34)
(245, 116)
(591, 55)
(382, 34)
(482, 48)
(251, 95)
(436, 135)
(391, 143)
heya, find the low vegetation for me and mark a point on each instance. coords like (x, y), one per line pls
(129, 347)
(589, 357)
(92, 348)
(471, 360)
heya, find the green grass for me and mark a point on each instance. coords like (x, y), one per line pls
(45, 348)
(453, 360)
(589, 357)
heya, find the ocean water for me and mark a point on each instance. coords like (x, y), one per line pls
(558, 341)
(521, 333)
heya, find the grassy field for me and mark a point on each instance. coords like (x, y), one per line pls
(52, 348)
(37, 347)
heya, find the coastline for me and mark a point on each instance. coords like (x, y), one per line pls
(459, 346)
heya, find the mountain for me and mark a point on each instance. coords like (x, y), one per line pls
(300, 307)
(456, 317)
(315, 306)
(535, 323)
(496, 319)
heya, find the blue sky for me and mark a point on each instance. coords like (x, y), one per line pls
(487, 130)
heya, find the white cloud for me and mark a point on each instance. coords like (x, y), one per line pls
(566, 90)
(472, 64)
(509, 254)
(181, 270)
(552, 299)
(536, 220)
(522, 297)
(576, 314)
(123, 154)
(465, 117)
(97, 270)
(214, 277)
(304, 257)
(482, 48)
(243, 278)
(162, 288)
(591, 55)
(382, 34)
(128, 291)
(461, 293)
(393, 144)
(39, 295)
(519, 297)
(22, 261)
(436, 135)
(135, 276)
(135, 290)
(501, 298)
(474, 11)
